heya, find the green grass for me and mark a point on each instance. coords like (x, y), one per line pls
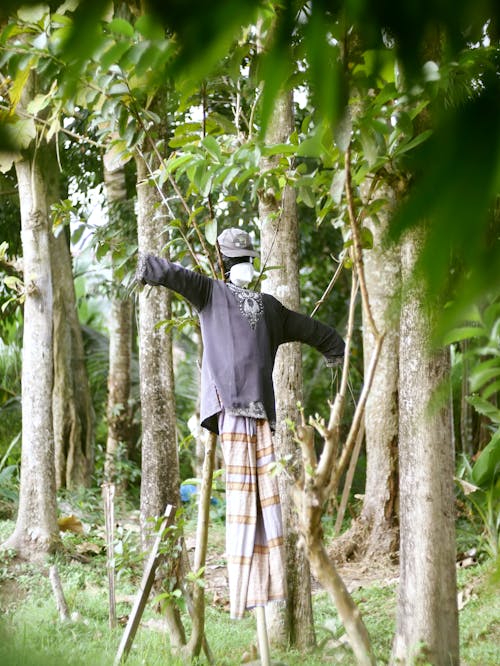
(31, 633)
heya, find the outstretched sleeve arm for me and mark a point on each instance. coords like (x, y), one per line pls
(298, 327)
(196, 288)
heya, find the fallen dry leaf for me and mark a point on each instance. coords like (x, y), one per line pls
(70, 524)
(88, 548)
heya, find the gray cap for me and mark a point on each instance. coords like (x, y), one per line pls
(236, 243)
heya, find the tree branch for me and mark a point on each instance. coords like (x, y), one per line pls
(357, 246)
(329, 288)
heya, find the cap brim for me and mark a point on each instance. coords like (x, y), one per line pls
(239, 252)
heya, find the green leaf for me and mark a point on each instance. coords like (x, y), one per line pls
(121, 27)
(387, 93)
(117, 156)
(369, 144)
(405, 147)
(38, 103)
(338, 185)
(149, 27)
(119, 88)
(464, 333)
(7, 159)
(112, 55)
(12, 282)
(33, 13)
(366, 238)
(279, 149)
(485, 408)
(487, 466)
(211, 231)
(404, 123)
(178, 162)
(148, 60)
(212, 147)
(77, 234)
(22, 132)
(491, 389)
(483, 374)
(307, 196)
(343, 132)
(310, 147)
(133, 55)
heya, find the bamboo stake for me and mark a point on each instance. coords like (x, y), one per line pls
(262, 638)
(108, 493)
(197, 612)
(146, 584)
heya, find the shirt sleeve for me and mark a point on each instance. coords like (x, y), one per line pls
(299, 327)
(156, 271)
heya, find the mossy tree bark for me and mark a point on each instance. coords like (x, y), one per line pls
(119, 413)
(160, 480)
(73, 413)
(280, 248)
(36, 532)
(374, 533)
(427, 617)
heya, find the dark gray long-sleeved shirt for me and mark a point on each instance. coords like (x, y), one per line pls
(241, 333)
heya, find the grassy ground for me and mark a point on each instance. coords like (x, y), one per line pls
(32, 634)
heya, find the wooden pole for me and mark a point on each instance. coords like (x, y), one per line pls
(196, 600)
(147, 581)
(108, 493)
(262, 638)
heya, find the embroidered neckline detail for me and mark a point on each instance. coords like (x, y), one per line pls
(250, 302)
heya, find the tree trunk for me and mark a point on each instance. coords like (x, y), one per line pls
(280, 247)
(375, 533)
(119, 414)
(73, 413)
(427, 619)
(160, 479)
(36, 532)
(160, 465)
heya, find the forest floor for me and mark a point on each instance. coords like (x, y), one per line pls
(36, 636)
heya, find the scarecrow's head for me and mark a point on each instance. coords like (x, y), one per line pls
(237, 256)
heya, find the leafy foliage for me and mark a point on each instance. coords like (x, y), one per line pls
(483, 328)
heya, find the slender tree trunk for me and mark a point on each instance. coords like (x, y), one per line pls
(280, 247)
(427, 619)
(72, 409)
(376, 530)
(36, 532)
(160, 465)
(119, 414)
(160, 480)
(73, 413)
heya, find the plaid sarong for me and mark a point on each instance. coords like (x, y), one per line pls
(254, 529)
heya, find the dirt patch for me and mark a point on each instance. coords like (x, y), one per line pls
(356, 575)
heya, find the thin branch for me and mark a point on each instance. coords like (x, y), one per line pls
(358, 251)
(171, 180)
(349, 479)
(327, 459)
(167, 205)
(201, 238)
(252, 113)
(46, 123)
(357, 419)
(328, 290)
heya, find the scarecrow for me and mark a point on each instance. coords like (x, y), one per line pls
(241, 331)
